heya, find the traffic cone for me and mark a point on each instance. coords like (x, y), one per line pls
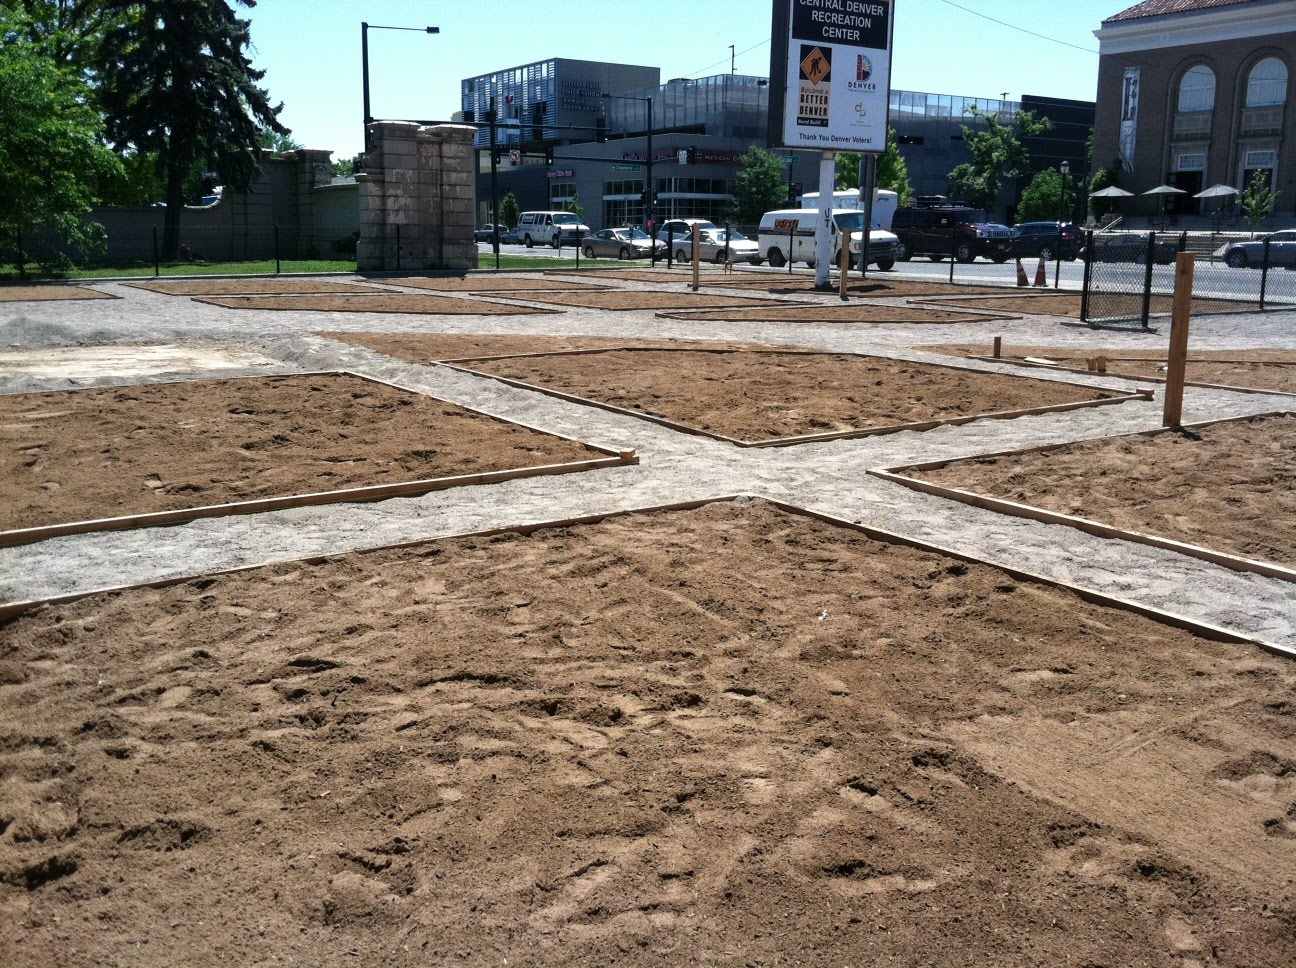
(1040, 281)
(1022, 281)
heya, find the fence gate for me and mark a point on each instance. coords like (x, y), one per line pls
(1118, 278)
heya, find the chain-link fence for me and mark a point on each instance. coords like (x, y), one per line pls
(200, 250)
(1129, 276)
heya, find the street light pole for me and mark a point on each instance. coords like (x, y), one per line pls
(1064, 169)
(364, 66)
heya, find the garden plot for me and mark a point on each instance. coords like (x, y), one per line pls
(247, 287)
(436, 347)
(1227, 487)
(492, 283)
(877, 286)
(1248, 369)
(43, 293)
(755, 398)
(734, 735)
(837, 312)
(626, 299)
(377, 302)
(1068, 304)
(162, 452)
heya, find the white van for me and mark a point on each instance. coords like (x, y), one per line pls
(885, 202)
(788, 235)
(550, 228)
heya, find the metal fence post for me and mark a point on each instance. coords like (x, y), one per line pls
(953, 252)
(157, 260)
(276, 247)
(22, 258)
(578, 242)
(670, 248)
(1264, 274)
(398, 247)
(1088, 270)
(1147, 278)
(791, 244)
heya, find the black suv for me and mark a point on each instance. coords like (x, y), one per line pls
(944, 229)
(1040, 240)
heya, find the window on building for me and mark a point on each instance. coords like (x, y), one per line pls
(1197, 89)
(1267, 85)
(1190, 161)
(1262, 158)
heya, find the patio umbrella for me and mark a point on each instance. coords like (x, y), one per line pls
(1111, 191)
(1217, 191)
(1164, 190)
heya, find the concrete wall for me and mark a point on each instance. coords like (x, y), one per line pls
(417, 198)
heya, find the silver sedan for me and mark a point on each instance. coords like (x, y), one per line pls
(620, 244)
(1282, 251)
(717, 245)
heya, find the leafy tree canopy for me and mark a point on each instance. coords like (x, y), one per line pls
(997, 154)
(51, 156)
(509, 210)
(759, 186)
(892, 172)
(1044, 201)
(1257, 198)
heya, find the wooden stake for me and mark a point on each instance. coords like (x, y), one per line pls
(998, 347)
(845, 261)
(1177, 362)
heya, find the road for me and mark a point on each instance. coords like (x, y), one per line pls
(1210, 280)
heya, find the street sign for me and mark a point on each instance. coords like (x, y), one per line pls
(790, 159)
(627, 167)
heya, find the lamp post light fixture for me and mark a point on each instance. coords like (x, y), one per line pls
(364, 65)
(650, 198)
(1064, 169)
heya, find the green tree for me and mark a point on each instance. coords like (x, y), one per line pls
(847, 173)
(177, 83)
(509, 211)
(1257, 198)
(574, 206)
(51, 156)
(346, 167)
(279, 142)
(758, 187)
(997, 154)
(1043, 200)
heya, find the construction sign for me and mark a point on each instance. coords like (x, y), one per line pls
(838, 73)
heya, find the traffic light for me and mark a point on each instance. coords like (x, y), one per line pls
(691, 155)
(549, 156)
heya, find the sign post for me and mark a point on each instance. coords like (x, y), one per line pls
(835, 76)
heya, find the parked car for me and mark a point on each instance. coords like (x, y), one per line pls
(1282, 251)
(485, 233)
(938, 230)
(676, 229)
(1132, 247)
(719, 246)
(621, 244)
(1041, 240)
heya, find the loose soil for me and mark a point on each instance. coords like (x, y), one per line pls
(838, 313)
(437, 347)
(661, 274)
(757, 396)
(639, 299)
(112, 451)
(387, 302)
(734, 736)
(246, 287)
(1256, 369)
(873, 286)
(1068, 304)
(491, 283)
(9, 293)
(1230, 487)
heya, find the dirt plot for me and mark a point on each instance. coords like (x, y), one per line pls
(1068, 304)
(111, 451)
(1229, 487)
(875, 286)
(386, 302)
(1258, 369)
(639, 299)
(238, 287)
(433, 347)
(754, 395)
(838, 313)
(733, 736)
(10, 293)
(492, 283)
(676, 276)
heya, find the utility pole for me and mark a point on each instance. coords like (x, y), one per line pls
(494, 150)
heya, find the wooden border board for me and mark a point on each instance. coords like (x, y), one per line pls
(1120, 396)
(1057, 368)
(1203, 629)
(374, 492)
(896, 475)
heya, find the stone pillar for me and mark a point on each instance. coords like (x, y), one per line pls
(417, 198)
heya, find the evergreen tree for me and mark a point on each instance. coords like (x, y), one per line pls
(510, 211)
(177, 82)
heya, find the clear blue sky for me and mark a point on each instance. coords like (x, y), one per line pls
(310, 49)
